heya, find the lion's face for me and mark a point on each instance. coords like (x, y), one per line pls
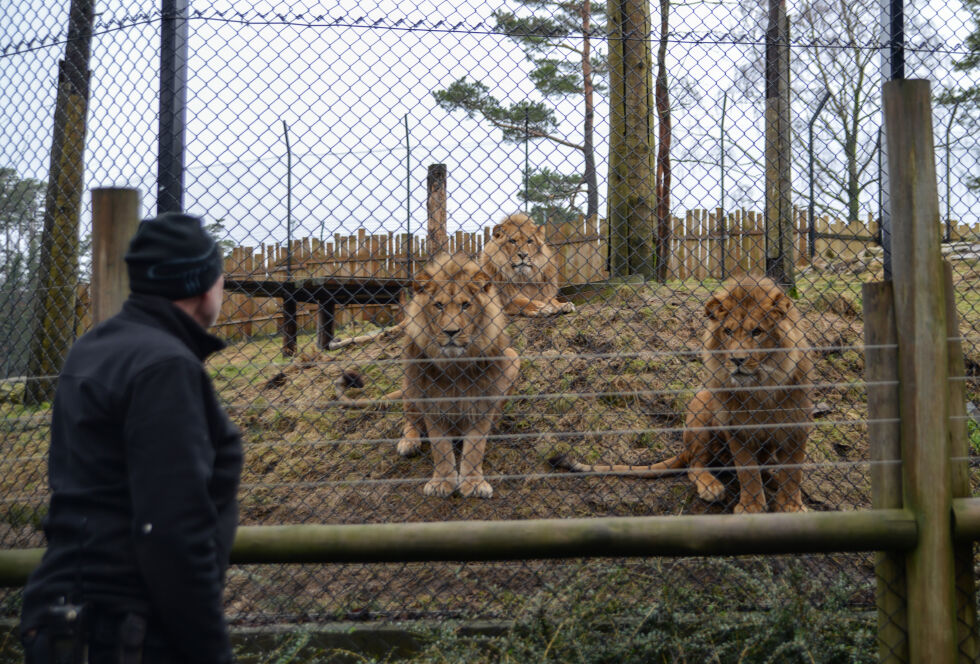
(753, 336)
(454, 312)
(517, 248)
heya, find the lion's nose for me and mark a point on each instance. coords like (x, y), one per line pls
(451, 333)
(738, 361)
(522, 255)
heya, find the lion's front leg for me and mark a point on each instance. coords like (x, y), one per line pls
(562, 307)
(698, 439)
(521, 305)
(412, 431)
(444, 478)
(752, 496)
(471, 482)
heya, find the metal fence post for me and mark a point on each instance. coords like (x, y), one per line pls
(115, 216)
(173, 105)
(920, 316)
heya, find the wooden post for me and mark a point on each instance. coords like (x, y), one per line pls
(289, 323)
(115, 216)
(881, 372)
(959, 452)
(325, 323)
(920, 316)
(436, 209)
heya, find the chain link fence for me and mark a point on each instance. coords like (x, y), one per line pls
(656, 151)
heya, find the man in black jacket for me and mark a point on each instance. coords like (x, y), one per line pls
(144, 469)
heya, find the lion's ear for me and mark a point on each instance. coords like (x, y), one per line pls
(481, 282)
(714, 308)
(422, 280)
(539, 234)
(781, 304)
(497, 231)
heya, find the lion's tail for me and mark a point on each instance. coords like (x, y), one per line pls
(351, 379)
(655, 470)
(384, 332)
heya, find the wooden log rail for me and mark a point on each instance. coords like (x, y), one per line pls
(718, 534)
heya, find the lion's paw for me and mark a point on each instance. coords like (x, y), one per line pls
(711, 492)
(566, 308)
(439, 488)
(749, 508)
(409, 446)
(791, 507)
(475, 488)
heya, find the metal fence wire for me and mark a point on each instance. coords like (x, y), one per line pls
(594, 173)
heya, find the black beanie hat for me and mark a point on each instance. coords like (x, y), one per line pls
(172, 256)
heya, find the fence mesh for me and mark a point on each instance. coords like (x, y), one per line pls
(656, 152)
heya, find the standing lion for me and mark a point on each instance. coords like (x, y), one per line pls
(755, 409)
(459, 369)
(522, 267)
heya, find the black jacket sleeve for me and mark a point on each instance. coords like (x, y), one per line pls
(170, 458)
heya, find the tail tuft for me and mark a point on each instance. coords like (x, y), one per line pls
(561, 462)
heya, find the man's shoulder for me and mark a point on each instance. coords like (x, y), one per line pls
(120, 347)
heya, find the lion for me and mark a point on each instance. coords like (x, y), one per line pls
(755, 408)
(459, 369)
(522, 267)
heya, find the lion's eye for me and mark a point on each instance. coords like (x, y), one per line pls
(512, 241)
(756, 331)
(530, 241)
(440, 306)
(730, 331)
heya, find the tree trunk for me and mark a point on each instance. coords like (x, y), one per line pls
(590, 177)
(631, 157)
(54, 325)
(663, 151)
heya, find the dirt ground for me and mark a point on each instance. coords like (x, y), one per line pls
(608, 383)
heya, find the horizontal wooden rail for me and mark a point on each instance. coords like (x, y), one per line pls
(717, 534)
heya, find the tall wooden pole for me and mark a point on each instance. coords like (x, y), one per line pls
(115, 216)
(884, 435)
(779, 202)
(436, 209)
(920, 316)
(58, 261)
(959, 452)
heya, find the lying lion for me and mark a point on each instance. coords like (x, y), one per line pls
(755, 409)
(522, 267)
(458, 370)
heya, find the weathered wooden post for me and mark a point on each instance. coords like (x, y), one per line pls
(959, 452)
(920, 317)
(436, 209)
(115, 216)
(884, 434)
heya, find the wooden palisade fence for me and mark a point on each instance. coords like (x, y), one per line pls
(922, 523)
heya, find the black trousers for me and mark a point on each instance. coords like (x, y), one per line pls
(102, 647)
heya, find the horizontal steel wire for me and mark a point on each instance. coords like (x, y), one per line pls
(572, 434)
